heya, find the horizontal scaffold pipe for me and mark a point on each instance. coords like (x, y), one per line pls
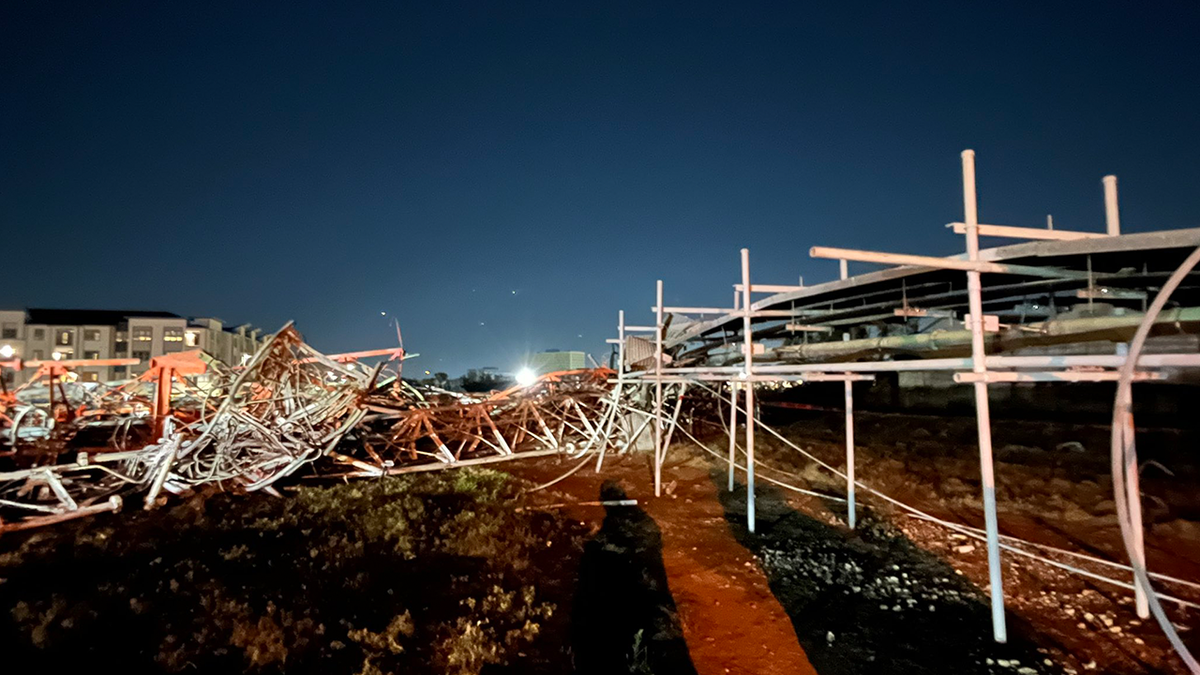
(915, 365)
(1049, 332)
(943, 263)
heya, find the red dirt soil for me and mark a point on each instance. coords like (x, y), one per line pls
(731, 621)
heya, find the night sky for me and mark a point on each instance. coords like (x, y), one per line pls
(503, 177)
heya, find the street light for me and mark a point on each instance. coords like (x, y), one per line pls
(7, 351)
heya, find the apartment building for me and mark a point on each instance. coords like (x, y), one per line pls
(553, 360)
(40, 334)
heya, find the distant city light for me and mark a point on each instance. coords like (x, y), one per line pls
(7, 351)
(526, 377)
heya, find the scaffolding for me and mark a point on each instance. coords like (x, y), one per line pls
(692, 355)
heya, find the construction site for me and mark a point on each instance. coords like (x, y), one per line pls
(940, 464)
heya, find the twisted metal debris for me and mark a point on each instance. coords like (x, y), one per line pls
(241, 428)
(190, 421)
(568, 411)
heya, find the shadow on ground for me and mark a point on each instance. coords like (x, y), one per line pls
(624, 618)
(871, 601)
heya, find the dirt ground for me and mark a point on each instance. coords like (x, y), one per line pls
(473, 572)
(802, 594)
(1052, 488)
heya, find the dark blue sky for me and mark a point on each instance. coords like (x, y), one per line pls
(265, 161)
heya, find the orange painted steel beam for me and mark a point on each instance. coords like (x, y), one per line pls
(394, 353)
(77, 363)
(183, 363)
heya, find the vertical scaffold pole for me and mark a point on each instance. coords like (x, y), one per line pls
(983, 416)
(749, 372)
(733, 401)
(851, 518)
(1133, 496)
(620, 390)
(1112, 221)
(658, 389)
(1112, 216)
(621, 346)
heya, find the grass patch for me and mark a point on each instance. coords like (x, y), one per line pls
(424, 573)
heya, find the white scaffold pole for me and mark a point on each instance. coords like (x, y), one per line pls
(982, 411)
(749, 371)
(658, 389)
(733, 404)
(621, 346)
(1133, 496)
(1112, 223)
(1112, 215)
(850, 507)
(620, 390)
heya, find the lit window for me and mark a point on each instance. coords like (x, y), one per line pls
(143, 334)
(64, 337)
(191, 338)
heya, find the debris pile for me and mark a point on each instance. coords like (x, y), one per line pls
(241, 428)
(190, 421)
(567, 411)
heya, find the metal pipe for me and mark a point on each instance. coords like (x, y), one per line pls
(770, 288)
(733, 401)
(1010, 232)
(658, 388)
(1060, 330)
(621, 344)
(696, 310)
(974, 265)
(674, 421)
(748, 371)
(1124, 455)
(1112, 216)
(1133, 495)
(1052, 376)
(849, 390)
(929, 365)
(982, 411)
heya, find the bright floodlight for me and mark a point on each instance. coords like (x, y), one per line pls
(526, 377)
(6, 351)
